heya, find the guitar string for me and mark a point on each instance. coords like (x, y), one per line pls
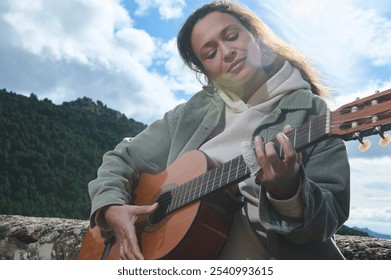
(317, 131)
(185, 192)
(191, 189)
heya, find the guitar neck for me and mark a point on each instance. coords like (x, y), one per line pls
(236, 170)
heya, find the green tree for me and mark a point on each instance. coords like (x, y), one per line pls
(49, 153)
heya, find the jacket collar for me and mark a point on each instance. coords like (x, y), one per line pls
(297, 100)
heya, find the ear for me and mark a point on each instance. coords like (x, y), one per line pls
(269, 55)
(257, 39)
(263, 47)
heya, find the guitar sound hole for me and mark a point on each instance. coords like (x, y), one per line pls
(164, 201)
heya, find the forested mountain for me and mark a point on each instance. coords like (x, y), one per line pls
(49, 153)
(345, 230)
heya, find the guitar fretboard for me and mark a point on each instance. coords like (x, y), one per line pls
(236, 169)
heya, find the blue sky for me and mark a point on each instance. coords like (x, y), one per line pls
(123, 53)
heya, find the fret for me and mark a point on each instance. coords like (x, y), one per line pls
(194, 187)
(174, 200)
(180, 194)
(229, 172)
(240, 166)
(307, 133)
(189, 190)
(302, 137)
(186, 198)
(208, 182)
(217, 175)
(235, 166)
(212, 181)
(226, 174)
(212, 177)
(233, 171)
(236, 169)
(171, 206)
(319, 128)
(184, 193)
(176, 194)
(199, 185)
(221, 175)
(200, 188)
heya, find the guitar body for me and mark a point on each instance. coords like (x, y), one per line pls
(195, 231)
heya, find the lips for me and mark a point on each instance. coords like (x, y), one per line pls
(235, 63)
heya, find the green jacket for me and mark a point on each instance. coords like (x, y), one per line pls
(325, 170)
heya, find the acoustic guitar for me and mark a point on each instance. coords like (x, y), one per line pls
(195, 213)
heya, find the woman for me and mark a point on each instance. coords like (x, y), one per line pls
(258, 88)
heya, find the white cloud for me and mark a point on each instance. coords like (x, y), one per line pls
(168, 9)
(179, 76)
(66, 30)
(371, 193)
(69, 49)
(343, 38)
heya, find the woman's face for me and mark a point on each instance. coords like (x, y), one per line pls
(227, 50)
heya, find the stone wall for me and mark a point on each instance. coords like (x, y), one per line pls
(33, 238)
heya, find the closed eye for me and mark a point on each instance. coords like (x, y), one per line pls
(211, 55)
(233, 37)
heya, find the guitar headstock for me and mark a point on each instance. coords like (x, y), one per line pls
(367, 116)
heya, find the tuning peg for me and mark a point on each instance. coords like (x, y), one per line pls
(365, 145)
(385, 140)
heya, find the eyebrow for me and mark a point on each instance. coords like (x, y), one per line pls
(222, 34)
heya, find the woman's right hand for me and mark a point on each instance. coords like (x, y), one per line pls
(121, 219)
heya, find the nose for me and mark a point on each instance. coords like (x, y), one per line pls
(229, 54)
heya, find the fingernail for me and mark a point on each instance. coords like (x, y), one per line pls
(258, 139)
(282, 136)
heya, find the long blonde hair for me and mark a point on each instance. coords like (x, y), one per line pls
(269, 41)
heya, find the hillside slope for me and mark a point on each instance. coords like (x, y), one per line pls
(49, 153)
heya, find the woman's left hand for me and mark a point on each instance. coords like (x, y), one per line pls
(279, 177)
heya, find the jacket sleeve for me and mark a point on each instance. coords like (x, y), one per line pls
(325, 176)
(121, 167)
